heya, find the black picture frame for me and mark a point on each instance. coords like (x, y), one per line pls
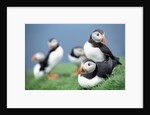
(43, 3)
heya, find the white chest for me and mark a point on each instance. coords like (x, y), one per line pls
(87, 83)
(93, 53)
(36, 71)
(56, 56)
(76, 61)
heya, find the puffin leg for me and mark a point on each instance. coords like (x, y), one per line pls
(52, 76)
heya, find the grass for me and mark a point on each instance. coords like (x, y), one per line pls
(116, 81)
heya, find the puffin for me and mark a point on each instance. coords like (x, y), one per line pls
(51, 60)
(96, 50)
(76, 56)
(37, 70)
(93, 73)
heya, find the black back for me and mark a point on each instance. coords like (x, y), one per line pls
(102, 69)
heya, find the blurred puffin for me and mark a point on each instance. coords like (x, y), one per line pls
(92, 73)
(96, 50)
(53, 57)
(37, 70)
(76, 56)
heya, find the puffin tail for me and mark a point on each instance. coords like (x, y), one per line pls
(117, 61)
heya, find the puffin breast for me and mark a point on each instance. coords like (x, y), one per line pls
(87, 83)
(55, 56)
(93, 53)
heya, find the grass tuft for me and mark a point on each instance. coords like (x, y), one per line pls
(116, 81)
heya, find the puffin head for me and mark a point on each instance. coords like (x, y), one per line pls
(78, 51)
(87, 66)
(38, 57)
(52, 43)
(98, 36)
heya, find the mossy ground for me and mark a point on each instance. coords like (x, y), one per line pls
(67, 82)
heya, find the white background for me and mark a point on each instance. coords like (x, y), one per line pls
(18, 97)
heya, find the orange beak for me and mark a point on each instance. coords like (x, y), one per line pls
(33, 58)
(104, 41)
(80, 70)
(50, 47)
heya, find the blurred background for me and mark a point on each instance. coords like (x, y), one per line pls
(68, 36)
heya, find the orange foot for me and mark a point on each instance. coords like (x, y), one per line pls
(52, 76)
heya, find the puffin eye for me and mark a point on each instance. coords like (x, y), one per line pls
(98, 34)
(89, 64)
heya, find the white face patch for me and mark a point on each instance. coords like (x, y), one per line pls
(39, 56)
(97, 37)
(88, 67)
(78, 51)
(53, 43)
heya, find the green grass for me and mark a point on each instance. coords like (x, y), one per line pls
(65, 82)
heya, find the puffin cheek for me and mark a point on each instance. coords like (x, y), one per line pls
(82, 70)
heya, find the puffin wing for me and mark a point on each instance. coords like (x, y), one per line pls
(74, 60)
(104, 69)
(106, 51)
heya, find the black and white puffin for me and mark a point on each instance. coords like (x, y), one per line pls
(92, 73)
(96, 50)
(76, 56)
(37, 71)
(53, 57)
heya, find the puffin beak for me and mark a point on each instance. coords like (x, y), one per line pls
(49, 46)
(33, 58)
(104, 41)
(81, 70)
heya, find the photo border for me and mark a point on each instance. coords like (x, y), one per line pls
(26, 4)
